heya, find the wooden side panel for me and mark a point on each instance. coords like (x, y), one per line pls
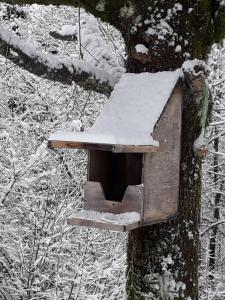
(94, 199)
(115, 171)
(161, 170)
(99, 168)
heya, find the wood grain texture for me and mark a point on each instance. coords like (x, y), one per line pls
(115, 171)
(104, 147)
(94, 199)
(161, 170)
(102, 225)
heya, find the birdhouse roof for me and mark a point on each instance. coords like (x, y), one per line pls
(130, 115)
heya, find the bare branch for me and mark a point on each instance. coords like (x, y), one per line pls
(50, 67)
(212, 226)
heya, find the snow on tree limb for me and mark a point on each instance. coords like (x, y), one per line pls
(48, 66)
(93, 46)
(212, 226)
(67, 33)
(106, 10)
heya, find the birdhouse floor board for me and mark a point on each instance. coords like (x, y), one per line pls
(95, 200)
(104, 147)
(116, 222)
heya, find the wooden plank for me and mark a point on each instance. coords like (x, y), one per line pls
(78, 145)
(76, 221)
(105, 147)
(157, 221)
(94, 224)
(115, 171)
(161, 170)
(132, 226)
(95, 199)
(134, 149)
(99, 168)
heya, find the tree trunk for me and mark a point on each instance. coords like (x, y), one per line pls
(218, 186)
(212, 240)
(163, 259)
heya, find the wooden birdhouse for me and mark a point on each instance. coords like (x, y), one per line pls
(133, 154)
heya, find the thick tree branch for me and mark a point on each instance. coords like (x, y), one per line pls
(99, 7)
(50, 67)
(116, 12)
(219, 21)
(162, 34)
(107, 10)
(94, 47)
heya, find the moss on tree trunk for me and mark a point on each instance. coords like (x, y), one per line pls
(163, 258)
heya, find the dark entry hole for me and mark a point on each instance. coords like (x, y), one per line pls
(115, 171)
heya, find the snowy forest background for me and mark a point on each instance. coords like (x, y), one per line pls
(40, 256)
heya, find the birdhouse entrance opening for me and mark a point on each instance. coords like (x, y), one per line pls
(115, 172)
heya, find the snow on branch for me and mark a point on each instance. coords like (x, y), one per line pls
(94, 48)
(66, 33)
(47, 66)
(212, 226)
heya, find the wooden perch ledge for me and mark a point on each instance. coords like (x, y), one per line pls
(116, 222)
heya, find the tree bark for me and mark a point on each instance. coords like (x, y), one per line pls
(163, 259)
(49, 67)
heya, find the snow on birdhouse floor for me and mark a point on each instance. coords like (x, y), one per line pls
(131, 113)
(120, 222)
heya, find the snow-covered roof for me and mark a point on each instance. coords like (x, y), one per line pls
(131, 113)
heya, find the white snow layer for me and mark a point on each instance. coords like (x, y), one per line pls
(189, 65)
(119, 219)
(95, 49)
(72, 65)
(131, 113)
(68, 30)
(141, 48)
(200, 141)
